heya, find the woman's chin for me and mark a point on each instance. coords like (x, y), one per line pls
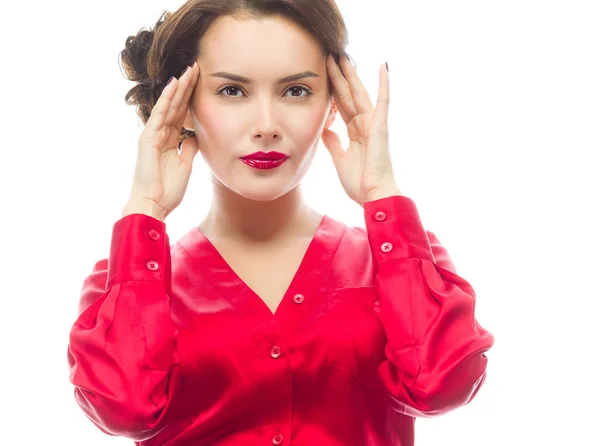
(263, 194)
(261, 190)
(257, 188)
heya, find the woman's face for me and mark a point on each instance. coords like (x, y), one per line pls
(237, 117)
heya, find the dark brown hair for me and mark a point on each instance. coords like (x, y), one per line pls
(152, 56)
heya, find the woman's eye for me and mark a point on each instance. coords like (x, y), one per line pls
(299, 90)
(229, 90)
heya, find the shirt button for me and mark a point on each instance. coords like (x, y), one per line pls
(386, 247)
(277, 439)
(154, 234)
(298, 298)
(380, 216)
(152, 265)
(275, 352)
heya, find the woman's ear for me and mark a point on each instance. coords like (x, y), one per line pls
(331, 116)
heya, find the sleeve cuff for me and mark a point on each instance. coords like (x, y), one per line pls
(139, 249)
(395, 230)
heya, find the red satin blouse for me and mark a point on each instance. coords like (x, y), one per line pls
(171, 347)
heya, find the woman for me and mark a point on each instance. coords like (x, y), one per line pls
(268, 323)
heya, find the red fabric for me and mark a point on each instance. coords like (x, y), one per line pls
(172, 348)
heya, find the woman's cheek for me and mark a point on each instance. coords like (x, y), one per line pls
(311, 121)
(215, 123)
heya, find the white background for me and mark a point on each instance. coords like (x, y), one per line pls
(494, 119)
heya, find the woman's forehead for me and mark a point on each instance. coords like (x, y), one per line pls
(266, 39)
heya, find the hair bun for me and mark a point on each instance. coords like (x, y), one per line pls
(134, 66)
(133, 57)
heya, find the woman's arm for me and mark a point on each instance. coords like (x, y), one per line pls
(122, 347)
(435, 348)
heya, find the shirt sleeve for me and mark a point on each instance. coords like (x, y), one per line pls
(122, 347)
(435, 348)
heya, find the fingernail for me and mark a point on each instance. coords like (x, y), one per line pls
(172, 77)
(183, 72)
(387, 67)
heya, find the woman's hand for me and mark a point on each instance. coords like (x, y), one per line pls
(161, 173)
(365, 168)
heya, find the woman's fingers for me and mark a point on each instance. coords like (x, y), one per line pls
(161, 108)
(341, 91)
(383, 101)
(194, 76)
(179, 103)
(357, 89)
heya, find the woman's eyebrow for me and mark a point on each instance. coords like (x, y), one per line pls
(245, 80)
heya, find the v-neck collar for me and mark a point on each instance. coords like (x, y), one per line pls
(307, 280)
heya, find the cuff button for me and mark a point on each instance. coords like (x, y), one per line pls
(380, 216)
(387, 247)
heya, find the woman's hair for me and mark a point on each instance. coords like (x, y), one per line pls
(152, 56)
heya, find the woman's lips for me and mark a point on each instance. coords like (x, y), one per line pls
(262, 163)
(267, 156)
(265, 160)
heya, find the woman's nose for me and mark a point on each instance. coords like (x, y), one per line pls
(267, 127)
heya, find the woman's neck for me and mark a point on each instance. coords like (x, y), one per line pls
(237, 218)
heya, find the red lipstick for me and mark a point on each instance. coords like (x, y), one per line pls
(265, 160)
